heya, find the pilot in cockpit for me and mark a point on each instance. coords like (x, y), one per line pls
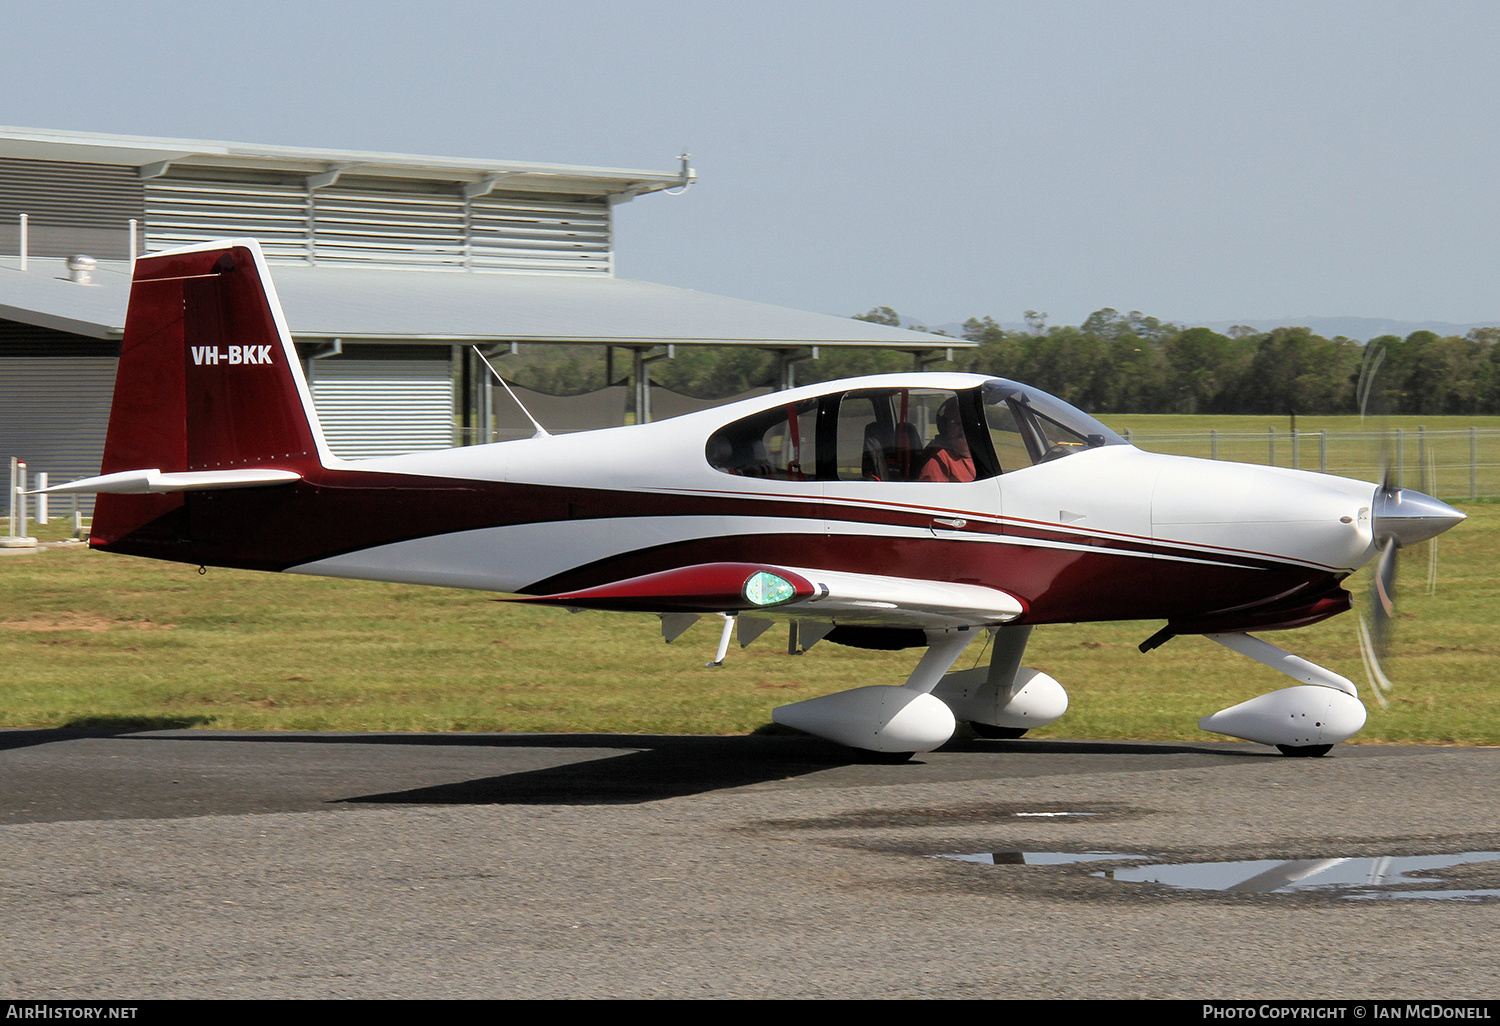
(947, 456)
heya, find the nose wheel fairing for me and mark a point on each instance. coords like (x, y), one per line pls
(1301, 717)
(1323, 709)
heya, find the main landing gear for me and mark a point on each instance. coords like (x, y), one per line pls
(1004, 699)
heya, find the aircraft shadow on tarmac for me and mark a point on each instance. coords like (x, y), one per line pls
(594, 769)
(674, 767)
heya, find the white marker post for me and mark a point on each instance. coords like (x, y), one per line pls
(17, 508)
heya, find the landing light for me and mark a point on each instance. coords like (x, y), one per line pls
(767, 589)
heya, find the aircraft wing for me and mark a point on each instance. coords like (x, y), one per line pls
(772, 591)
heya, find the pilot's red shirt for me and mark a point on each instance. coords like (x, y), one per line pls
(943, 465)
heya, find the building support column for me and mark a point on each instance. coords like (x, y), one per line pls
(642, 359)
(786, 364)
(924, 358)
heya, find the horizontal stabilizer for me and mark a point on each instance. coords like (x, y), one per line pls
(148, 482)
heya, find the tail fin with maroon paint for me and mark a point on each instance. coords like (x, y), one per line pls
(209, 394)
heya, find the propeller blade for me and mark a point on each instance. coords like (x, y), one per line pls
(1374, 402)
(1368, 367)
(1385, 579)
(1380, 686)
(1383, 599)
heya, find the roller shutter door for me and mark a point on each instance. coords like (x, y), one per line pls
(54, 412)
(383, 407)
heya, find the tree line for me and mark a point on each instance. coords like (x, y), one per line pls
(1130, 363)
(1111, 363)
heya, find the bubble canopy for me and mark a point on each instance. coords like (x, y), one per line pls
(910, 429)
(998, 391)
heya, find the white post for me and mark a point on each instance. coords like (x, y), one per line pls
(1473, 463)
(41, 499)
(24, 240)
(1213, 437)
(21, 496)
(1323, 451)
(132, 246)
(1422, 481)
(17, 539)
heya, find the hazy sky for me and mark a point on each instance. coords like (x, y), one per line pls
(1196, 161)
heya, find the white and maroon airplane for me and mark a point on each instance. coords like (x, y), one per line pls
(893, 511)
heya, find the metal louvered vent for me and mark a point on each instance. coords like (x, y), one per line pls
(184, 211)
(363, 222)
(539, 235)
(72, 208)
(363, 226)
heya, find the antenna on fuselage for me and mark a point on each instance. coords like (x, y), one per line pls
(541, 432)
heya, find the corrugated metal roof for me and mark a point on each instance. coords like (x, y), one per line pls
(43, 295)
(145, 152)
(385, 304)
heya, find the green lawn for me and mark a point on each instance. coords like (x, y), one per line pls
(93, 639)
(1459, 466)
(1282, 423)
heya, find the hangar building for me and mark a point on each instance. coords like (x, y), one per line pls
(390, 268)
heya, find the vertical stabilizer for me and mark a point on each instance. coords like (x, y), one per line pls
(208, 380)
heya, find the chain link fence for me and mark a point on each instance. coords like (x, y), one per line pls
(1446, 464)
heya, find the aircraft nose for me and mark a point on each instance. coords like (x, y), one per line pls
(1409, 517)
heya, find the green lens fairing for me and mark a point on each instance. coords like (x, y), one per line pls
(767, 589)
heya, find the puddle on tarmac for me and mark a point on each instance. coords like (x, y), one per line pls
(1357, 878)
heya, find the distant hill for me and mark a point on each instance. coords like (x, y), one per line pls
(1362, 328)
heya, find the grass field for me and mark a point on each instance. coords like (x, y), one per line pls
(1258, 423)
(1454, 458)
(89, 639)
